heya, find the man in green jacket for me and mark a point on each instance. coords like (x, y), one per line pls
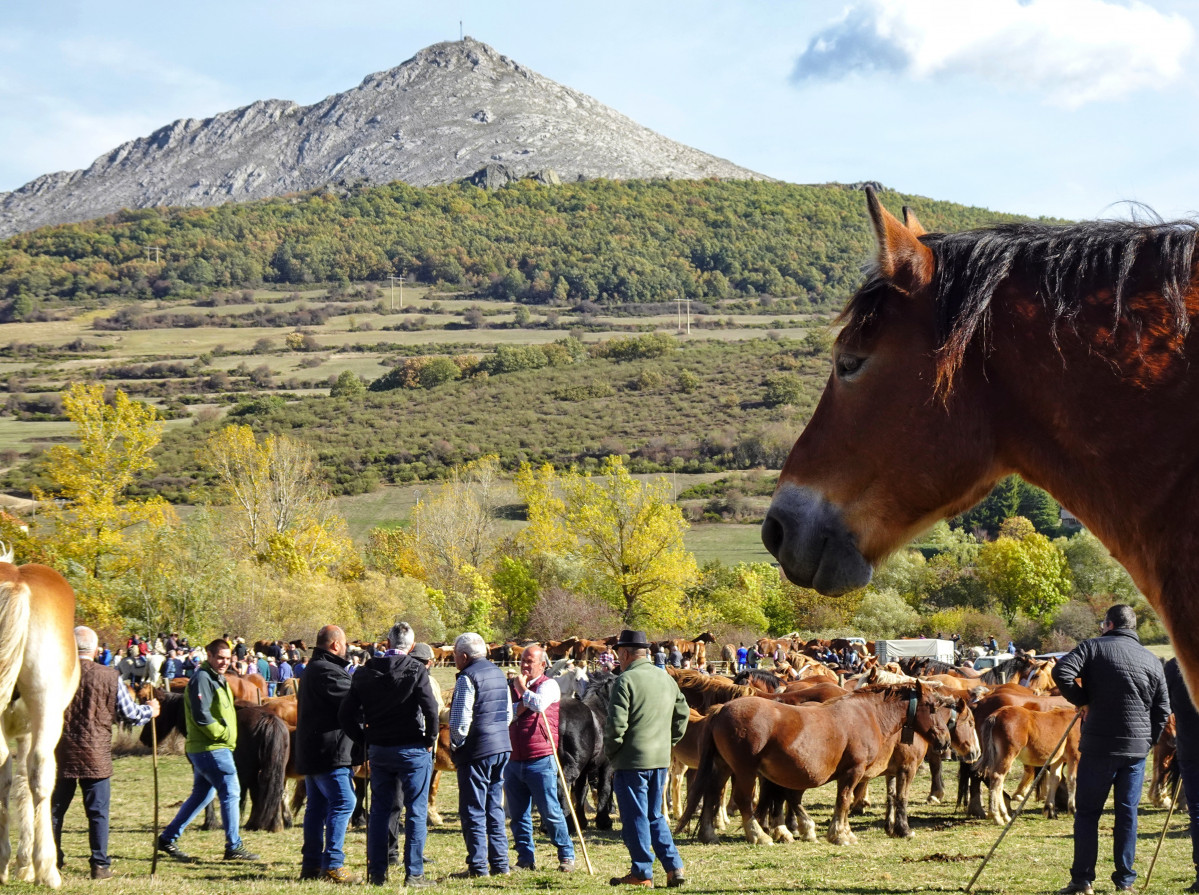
(211, 737)
(647, 715)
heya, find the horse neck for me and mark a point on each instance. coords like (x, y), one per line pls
(1063, 425)
(890, 713)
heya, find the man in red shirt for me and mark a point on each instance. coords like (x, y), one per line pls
(531, 775)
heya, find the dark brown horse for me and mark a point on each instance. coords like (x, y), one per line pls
(1062, 354)
(702, 691)
(801, 747)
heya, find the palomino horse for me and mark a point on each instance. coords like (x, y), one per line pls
(37, 619)
(1058, 353)
(801, 747)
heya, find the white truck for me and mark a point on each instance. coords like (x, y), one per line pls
(894, 650)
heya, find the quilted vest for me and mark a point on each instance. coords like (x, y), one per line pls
(528, 733)
(489, 724)
(85, 749)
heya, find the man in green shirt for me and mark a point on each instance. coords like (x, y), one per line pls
(647, 715)
(211, 737)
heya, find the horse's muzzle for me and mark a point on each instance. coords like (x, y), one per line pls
(808, 537)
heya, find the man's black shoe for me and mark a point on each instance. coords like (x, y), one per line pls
(240, 854)
(101, 871)
(419, 882)
(1075, 888)
(170, 849)
(307, 873)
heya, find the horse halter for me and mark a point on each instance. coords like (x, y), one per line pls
(907, 736)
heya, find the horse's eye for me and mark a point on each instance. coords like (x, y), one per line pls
(848, 364)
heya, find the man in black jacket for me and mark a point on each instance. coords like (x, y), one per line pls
(391, 707)
(323, 756)
(1120, 687)
(1186, 718)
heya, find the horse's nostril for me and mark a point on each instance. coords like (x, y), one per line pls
(772, 534)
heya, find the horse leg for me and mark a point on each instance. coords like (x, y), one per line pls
(1052, 775)
(975, 806)
(433, 815)
(45, 724)
(722, 809)
(936, 794)
(1030, 774)
(772, 810)
(22, 797)
(892, 797)
(805, 827)
(861, 798)
(839, 832)
(903, 784)
(677, 771)
(743, 795)
(996, 809)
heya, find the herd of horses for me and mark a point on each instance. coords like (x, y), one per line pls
(1062, 354)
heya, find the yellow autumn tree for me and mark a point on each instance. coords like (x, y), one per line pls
(282, 513)
(89, 518)
(455, 533)
(628, 535)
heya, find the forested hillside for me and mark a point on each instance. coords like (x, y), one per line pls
(605, 242)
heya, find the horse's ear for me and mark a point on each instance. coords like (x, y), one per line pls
(912, 222)
(902, 258)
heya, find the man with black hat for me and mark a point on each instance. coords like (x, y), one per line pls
(647, 715)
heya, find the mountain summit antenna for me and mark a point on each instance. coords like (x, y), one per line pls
(460, 30)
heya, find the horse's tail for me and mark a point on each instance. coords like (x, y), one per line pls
(988, 761)
(267, 766)
(14, 629)
(708, 782)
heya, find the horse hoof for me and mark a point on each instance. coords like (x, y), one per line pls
(435, 819)
(708, 837)
(782, 834)
(933, 800)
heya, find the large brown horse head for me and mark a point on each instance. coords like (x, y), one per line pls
(890, 448)
(963, 737)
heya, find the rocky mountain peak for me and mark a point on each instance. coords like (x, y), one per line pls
(449, 112)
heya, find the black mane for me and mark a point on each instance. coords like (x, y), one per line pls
(1063, 264)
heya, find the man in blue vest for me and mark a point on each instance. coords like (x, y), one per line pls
(480, 713)
(531, 775)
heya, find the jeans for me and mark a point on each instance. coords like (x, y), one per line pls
(1096, 776)
(213, 774)
(407, 768)
(526, 783)
(330, 804)
(1190, 785)
(643, 826)
(96, 797)
(481, 810)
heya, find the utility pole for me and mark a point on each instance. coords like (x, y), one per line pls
(403, 276)
(688, 315)
(157, 253)
(393, 293)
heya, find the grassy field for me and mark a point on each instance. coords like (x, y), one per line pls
(942, 856)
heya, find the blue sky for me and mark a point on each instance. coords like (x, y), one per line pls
(1056, 107)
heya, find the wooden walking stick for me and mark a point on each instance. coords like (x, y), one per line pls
(154, 762)
(1162, 838)
(569, 802)
(1024, 801)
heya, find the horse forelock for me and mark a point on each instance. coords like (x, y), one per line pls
(1065, 267)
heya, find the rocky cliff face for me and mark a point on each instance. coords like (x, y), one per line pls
(447, 113)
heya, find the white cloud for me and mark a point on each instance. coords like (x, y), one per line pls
(1073, 51)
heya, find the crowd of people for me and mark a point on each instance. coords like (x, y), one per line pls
(503, 735)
